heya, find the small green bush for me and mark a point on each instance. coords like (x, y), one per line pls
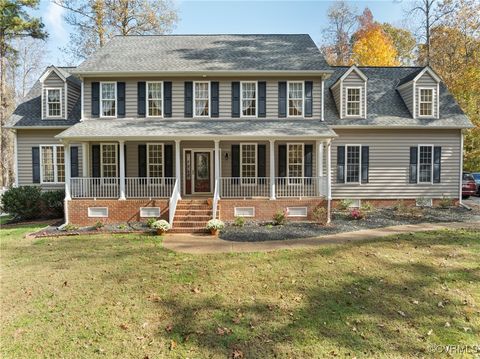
(367, 207)
(321, 215)
(446, 203)
(239, 222)
(150, 222)
(122, 227)
(99, 225)
(22, 202)
(279, 218)
(70, 227)
(345, 204)
(53, 201)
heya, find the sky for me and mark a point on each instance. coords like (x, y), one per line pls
(207, 17)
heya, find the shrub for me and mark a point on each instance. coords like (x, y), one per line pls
(345, 204)
(122, 226)
(215, 224)
(22, 202)
(239, 222)
(367, 207)
(99, 225)
(400, 206)
(279, 218)
(321, 215)
(446, 202)
(150, 222)
(53, 201)
(161, 224)
(70, 227)
(356, 214)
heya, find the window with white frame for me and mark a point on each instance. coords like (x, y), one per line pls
(353, 101)
(426, 102)
(353, 163)
(109, 159)
(201, 101)
(249, 99)
(155, 99)
(295, 98)
(52, 164)
(425, 164)
(295, 162)
(155, 160)
(108, 99)
(54, 102)
(248, 162)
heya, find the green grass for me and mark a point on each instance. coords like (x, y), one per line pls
(125, 296)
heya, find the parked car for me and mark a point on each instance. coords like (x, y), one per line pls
(476, 177)
(469, 187)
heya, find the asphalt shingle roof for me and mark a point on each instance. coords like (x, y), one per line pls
(193, 53)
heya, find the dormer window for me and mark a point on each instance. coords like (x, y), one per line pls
(108, 99)
(54, 102)
(295, 98)
(426, 102)
(353, 101)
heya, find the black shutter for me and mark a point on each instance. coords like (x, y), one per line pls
(437, 163)
(36, 164)
(74, 162)
(413, 165)
(262, 161)
(215, 98)
(262, 99)
(282, 99)
(308, 161)
(236, 99)
(142, 160)
(308, 98)
(340, 164)
(168, 160)
(282, 161)
(95, 160)
(235, 160)
(95, 98)
(167, 99)
(365, 163)
(121, 99)
(188, 103)
(141, 98)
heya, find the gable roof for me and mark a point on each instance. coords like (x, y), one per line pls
(348, 72)
(414, 76)
(206, 53)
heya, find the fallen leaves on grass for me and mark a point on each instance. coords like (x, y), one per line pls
(173, 344)
(124, 326)
(169, 328)
(237, 354)
(223, 331)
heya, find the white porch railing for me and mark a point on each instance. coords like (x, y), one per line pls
(172, 204)
(236, 187)
(149, 187)
(301, 186)
(216, 197)
(94, 187)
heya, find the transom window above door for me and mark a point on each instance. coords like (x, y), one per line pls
(201, 99)
(155, 99)
(54, 102)
(295, 98)
(249, 98)
(108, 99)
(353, 101)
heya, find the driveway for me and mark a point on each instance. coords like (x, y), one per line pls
(472, 201)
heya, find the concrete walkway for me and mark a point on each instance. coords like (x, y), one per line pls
(202, 244)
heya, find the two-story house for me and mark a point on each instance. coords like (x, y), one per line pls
(191, 127)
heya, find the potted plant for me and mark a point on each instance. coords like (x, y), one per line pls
(214, 225)
(161, 226)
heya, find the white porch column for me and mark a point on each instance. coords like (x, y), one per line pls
(217, 162)
(177, 165)
(66, 153)
(329, 176)
(272, 169)
(85, 159)
(319, 155)
(122, 170)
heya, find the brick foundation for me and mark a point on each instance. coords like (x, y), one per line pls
(265, 208)
(118, 211)
(385, 203)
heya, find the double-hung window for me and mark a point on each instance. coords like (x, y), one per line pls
(108, 99)
(353, 101)
(155, 99)
(425, 164)
(426, 102)
(248, 163)
(54, 102)
(109, 160)
(295, 163)
(249, 99)
(353, 163)
(155, 160)
(201, 99)
(295, 98)
(52, 164)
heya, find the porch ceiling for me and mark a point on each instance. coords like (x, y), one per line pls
(169, 129)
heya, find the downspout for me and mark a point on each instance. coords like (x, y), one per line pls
(66, 147)
(460, 202)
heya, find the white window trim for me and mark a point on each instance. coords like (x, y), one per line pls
(101, 99)
(419, 89)
(91, 215)
(236, 209)
(55, 165)
(288, 164)
(359, 101)
(256, 99)
(297, 215)
(252, 179)
(148, 159)
(101, 158)
(359, 164)
(431, 165)
(303, 99)
(47, 115)
(161, 99)
(209, 100)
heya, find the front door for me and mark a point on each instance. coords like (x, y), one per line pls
(198, 172)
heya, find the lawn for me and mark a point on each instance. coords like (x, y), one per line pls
(125, 296)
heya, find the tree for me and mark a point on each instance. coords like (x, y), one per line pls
(404, 43)
(342, 22)
(96, 21)
(14, 23)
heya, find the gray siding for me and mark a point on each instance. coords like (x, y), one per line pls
(426, 81)
(407, 96)
(389, 164)
(26, 139)
(53, 81)
(73, 96)
(353, 80)
(224, 93)
(336, 96)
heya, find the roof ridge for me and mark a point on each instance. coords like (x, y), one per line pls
(219, 34)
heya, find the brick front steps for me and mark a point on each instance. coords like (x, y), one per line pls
(191, 216)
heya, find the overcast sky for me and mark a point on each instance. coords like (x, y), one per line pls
(207, 17)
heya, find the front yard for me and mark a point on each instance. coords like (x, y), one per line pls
(124, 295)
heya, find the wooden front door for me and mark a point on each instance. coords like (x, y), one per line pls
(202, 169)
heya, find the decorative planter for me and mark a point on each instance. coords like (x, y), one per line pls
(160, 231)
(214, 232)
(209, 201)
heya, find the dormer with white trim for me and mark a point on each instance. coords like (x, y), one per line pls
(350, 94)
(54, 94)
(420, 93)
